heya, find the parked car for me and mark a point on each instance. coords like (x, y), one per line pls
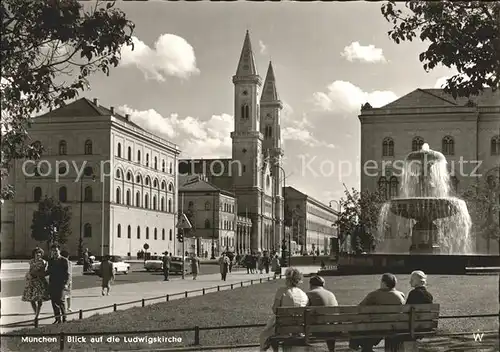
(154, 264)
(176, 265)
(119, 266)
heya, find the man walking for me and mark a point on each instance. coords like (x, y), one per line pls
(166, 265)
(107, 274)
(58, 272)
(224, 266)
(319, 296)
(86, 260)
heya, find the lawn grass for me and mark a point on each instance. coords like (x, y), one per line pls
(458, 295)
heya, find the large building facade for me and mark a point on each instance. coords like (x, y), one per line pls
(312, 223)
(254, 173)
(466, 132)
(119, 181)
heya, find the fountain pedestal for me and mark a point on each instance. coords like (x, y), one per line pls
(424, 238)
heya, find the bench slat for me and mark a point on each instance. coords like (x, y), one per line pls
(381, 327)
(299, 311)
(355, 318)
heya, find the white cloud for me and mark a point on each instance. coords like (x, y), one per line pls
(346, 97)
(358, 52)
(171, 56)
(441, 82)
(263, 47)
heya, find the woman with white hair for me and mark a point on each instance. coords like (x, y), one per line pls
(419, 294)
(288, 296)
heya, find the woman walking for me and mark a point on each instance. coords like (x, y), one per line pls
(36, 290)
(67, 290)
(195, 266)
(275, 266)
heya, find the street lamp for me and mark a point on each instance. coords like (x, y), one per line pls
(86, 172)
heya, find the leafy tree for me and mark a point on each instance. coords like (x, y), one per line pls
(292, 220)
(49, 49)
(358, 218)
(483, 203)
(461, 34)
(51, 222)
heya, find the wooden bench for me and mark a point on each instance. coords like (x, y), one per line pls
(400, 325)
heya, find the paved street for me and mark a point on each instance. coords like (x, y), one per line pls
(14, 310)
(13, 280)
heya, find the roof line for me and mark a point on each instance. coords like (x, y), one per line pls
(437, 96)
(87, 100)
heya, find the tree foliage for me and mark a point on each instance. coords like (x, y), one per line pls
(359, 218)
(462, 34)
(51, 222)
(483, 203)
(49, 49)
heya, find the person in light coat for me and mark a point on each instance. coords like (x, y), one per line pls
(195, 266)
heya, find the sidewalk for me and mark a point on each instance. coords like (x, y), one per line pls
(15, 311)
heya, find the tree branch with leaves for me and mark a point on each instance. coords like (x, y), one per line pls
(464, 35)
(49, 49)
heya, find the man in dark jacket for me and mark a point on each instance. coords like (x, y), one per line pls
(166, 265)
(58, 271)
(419, 294)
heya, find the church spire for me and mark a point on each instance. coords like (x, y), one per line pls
(246, 65)
(270, 93)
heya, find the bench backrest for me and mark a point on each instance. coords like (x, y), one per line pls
(357, 319)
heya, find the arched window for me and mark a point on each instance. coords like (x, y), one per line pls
(119, 150)
(147, 180)
(454, 183)
(37, 194)
(118, 196)
(162, 204)
(170, 169)
(88, 147)
(138, 199)
(147, 233)
(170, 187)
(155, 236)
(394, 187)
(268, 132)
(417, 143)
(163, 185)
(207, 205)
(146, 201)
(88, 194)
(170, 205)
(63, 148)
(119, 231)
(129, 176)
(448, 145)
(170, 235)
(129, 232)
(128, 197)
(155, 183)
(138, 156)
(382, 186)
(156, 163)
(147, 159)
(163, 234)
(138, 232)
(154, 202)
(87, 230)
(207, 224)
(388, 147)
(63, 194)
(163, 166)
(118, 174)
(495, 145)
(129, 154)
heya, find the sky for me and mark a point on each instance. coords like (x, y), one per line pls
(328, 59)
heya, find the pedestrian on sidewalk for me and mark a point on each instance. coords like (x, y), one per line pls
(58, 272)
(195, 266)
(224, 266)
(166, 265)
(86, 260)
(107, 275)
(260, 261)
(276, 266)
(67, 292)
(230, 255)
(36, 290)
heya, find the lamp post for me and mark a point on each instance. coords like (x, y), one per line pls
(212, 256)
(86, 172)
(103, 187)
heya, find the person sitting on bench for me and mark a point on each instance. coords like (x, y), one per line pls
(419, 294)
(385, 295)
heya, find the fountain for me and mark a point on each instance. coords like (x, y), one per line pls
(436, 223)
(441, 222)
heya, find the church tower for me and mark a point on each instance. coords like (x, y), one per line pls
(271, 107)
(247, 142)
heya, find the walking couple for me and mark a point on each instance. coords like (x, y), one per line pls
(37, 290)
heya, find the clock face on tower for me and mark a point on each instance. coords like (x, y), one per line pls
(244, 91)
(269, 116)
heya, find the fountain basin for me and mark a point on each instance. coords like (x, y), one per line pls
(428, 208)
(426, 156)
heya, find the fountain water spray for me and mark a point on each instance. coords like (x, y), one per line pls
(436, 221)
